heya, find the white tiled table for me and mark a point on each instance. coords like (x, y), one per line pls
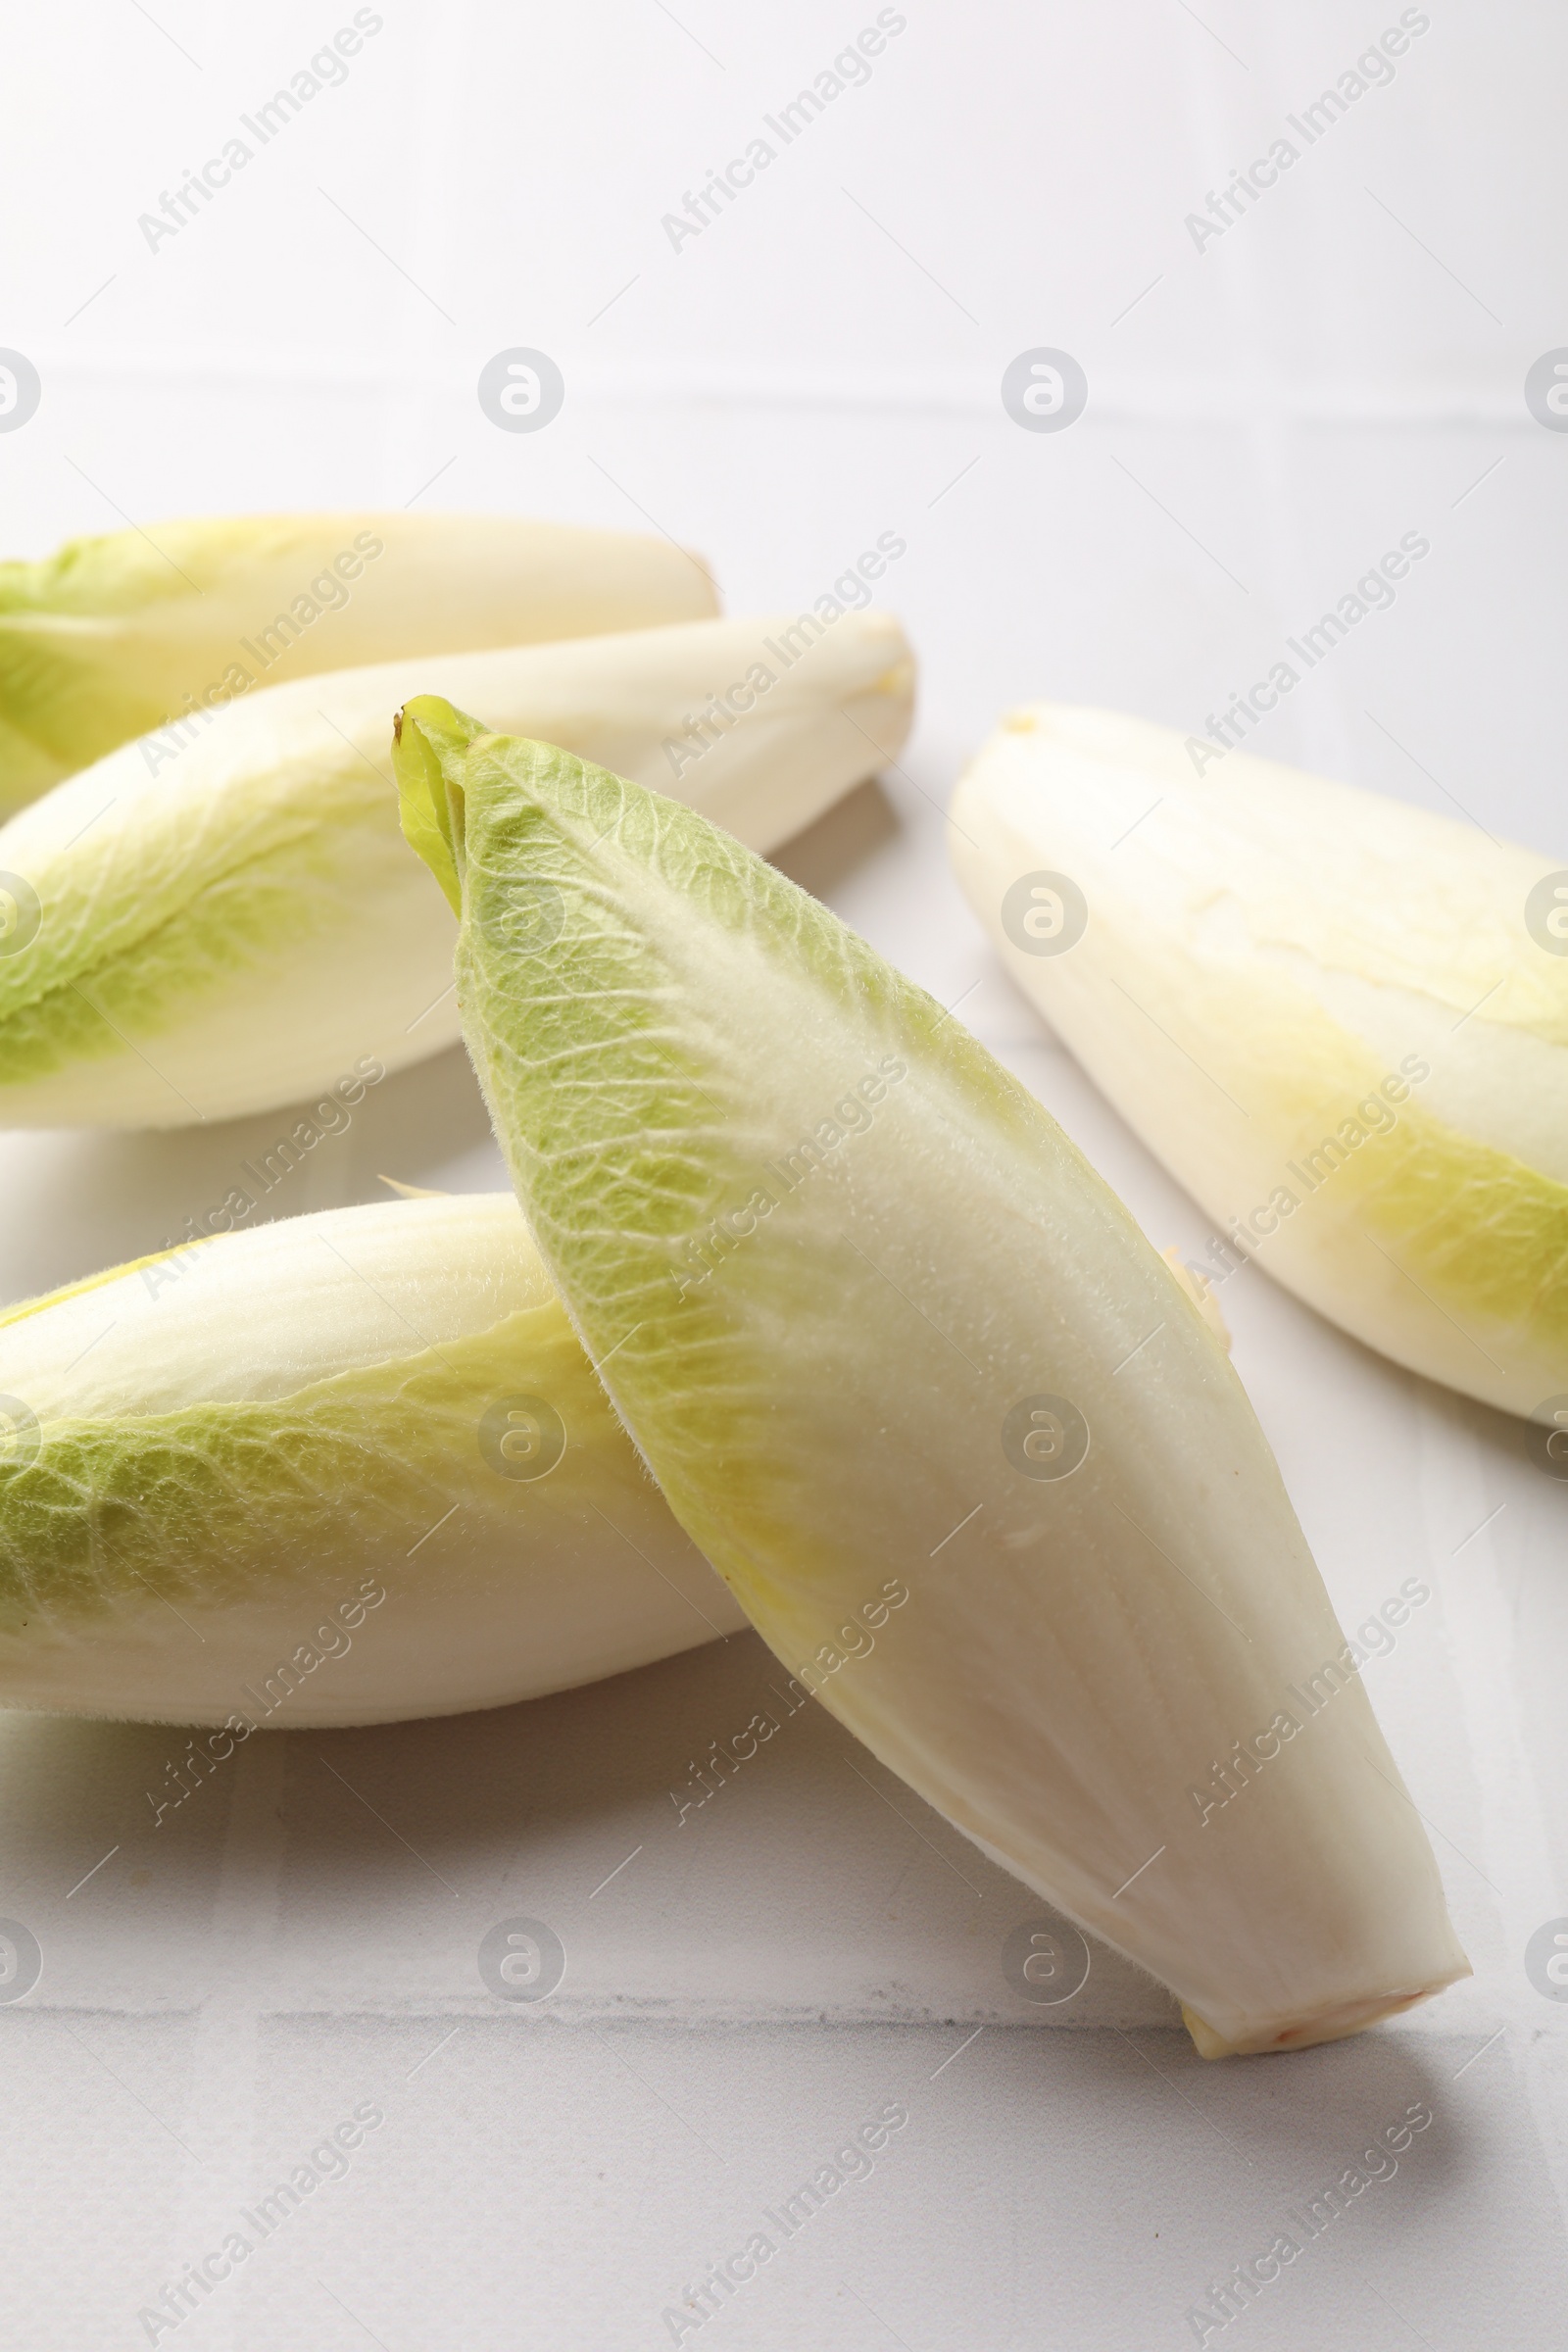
(818, 366)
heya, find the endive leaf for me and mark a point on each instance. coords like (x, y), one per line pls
(1334, 1016)
(238, 928)
(212, 1459)
(901, 1361)
(114, 636)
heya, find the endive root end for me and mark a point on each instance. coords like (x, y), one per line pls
(1329, 2025)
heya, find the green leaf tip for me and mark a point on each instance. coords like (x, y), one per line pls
(429, 802)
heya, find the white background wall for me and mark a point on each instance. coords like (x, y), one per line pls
(1339, 368)
(820, 364)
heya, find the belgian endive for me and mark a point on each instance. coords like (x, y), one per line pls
(1341, 1021)
(341, 1469)
(114, 636)
(244, 925)
(874, 1322)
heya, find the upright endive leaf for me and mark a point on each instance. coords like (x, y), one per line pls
(1341, 1022)
(114, 636)
(199, 932)
(900, 1360)
(342, 1469)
